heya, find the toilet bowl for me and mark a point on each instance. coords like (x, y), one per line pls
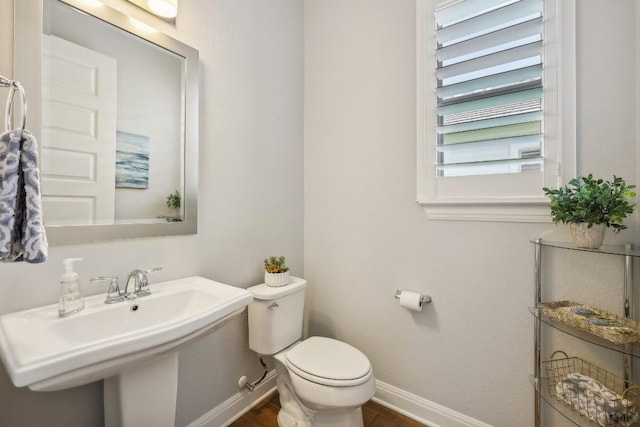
(322, 382)
(329, 380)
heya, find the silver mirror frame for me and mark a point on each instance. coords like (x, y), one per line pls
(28, 24)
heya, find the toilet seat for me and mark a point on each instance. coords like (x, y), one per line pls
(329, 362)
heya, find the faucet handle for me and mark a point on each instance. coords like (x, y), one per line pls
(113, 292)
(143, 285)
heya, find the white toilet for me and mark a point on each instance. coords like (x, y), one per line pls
(322, 382)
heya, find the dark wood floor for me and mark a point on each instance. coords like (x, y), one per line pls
(266, 412)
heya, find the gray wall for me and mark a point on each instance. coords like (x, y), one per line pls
(250, 205)
(471, 350)
(364, 236)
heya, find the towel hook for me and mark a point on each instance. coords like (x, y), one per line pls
(10, 107)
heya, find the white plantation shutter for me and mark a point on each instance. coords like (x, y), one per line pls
(496, 106)
(489, 87)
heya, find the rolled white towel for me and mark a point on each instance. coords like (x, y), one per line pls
(593, 400)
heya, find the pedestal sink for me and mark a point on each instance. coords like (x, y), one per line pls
(132, 345)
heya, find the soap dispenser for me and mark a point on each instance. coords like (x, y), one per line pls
(71, 299)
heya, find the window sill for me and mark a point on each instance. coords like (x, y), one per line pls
(494, 211)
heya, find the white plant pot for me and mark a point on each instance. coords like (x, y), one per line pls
(585, 237)
(276, 279)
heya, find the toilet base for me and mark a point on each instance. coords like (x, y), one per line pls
(286, 420)
(295, 414)
(349, 419)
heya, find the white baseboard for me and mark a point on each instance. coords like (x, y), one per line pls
(237, 405)
(421, 410)
(403, 402)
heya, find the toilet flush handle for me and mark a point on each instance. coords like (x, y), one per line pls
(273, 306)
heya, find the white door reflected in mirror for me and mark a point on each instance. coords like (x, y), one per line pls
(78, 142)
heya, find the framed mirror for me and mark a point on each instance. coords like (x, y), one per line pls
(113, 104)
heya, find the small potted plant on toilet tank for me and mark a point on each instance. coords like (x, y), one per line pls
(276, 273)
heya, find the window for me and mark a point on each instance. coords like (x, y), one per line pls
(495, 84)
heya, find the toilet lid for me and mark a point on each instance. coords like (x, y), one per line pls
(328, 361)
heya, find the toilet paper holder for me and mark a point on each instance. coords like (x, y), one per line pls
(424, 299)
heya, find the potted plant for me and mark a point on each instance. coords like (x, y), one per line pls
(276, 273)
(591, 205)
(174, 202)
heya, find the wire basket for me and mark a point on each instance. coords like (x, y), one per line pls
(593, 392)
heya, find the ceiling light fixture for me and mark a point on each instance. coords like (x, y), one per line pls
(93, 3)
(165, 9)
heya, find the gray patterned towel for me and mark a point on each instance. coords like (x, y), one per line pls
(22, 234)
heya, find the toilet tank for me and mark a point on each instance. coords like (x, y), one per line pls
(275, 316)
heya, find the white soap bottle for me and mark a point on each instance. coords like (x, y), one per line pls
(71, 299)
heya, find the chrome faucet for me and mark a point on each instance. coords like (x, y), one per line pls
(138, 284)
(113, 293)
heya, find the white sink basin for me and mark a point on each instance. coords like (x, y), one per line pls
(45, 352)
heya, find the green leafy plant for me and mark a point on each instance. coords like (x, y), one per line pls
(174, 200)
(594, 201)
(275, 265)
